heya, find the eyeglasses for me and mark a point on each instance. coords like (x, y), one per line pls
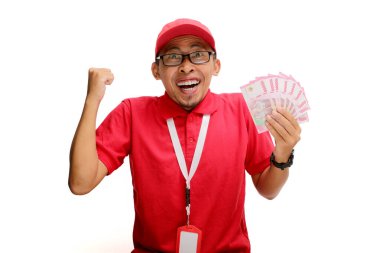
(198, 57)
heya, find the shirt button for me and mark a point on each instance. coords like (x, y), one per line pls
(191, 139)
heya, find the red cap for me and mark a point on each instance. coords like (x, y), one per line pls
(181, 27)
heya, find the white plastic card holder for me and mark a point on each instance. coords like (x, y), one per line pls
(189, 239)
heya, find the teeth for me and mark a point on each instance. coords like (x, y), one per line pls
(188, 83)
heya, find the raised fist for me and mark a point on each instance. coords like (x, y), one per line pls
(98, 78)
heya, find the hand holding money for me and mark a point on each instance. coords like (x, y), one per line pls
(286, 132)
(277, 103)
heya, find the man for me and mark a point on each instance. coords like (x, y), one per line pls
(188, 140)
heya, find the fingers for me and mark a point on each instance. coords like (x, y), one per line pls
(284, 127)
(101, 74)
(269, 124)
(98, 78)
(289, 117)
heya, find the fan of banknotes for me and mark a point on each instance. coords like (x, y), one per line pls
(265, 93)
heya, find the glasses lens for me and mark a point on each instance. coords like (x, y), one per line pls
(172, 59)
(200, 57)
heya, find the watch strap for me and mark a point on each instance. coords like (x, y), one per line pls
(282, 166)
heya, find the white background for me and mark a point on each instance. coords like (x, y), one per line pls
(330, 203)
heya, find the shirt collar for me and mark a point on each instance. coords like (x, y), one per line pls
(170, 109)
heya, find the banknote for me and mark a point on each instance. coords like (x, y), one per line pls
(266, 93)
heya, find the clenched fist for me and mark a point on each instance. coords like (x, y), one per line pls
(98, 78)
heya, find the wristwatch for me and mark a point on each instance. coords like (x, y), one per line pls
(282, 166)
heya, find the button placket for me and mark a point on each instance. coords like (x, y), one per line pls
(190, 137)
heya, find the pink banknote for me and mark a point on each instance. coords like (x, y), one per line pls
(266, 93)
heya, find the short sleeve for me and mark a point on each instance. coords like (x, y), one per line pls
(259, 147)
(113, 137)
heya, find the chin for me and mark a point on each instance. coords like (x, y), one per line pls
(189, 106)
(190, 102)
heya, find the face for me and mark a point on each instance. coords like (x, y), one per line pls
(188, 83)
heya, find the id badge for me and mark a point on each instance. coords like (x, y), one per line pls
(189, 239)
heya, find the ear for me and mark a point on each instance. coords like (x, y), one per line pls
(217, 67)
(155, 72)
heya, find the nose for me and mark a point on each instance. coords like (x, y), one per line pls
(186, 66)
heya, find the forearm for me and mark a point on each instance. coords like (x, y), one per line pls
(270, 182)
(83, 154)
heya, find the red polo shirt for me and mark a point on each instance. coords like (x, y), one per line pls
(138, 128)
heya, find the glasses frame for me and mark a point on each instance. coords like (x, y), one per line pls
(184, 56)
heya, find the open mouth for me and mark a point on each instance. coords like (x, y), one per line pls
(188, 85)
